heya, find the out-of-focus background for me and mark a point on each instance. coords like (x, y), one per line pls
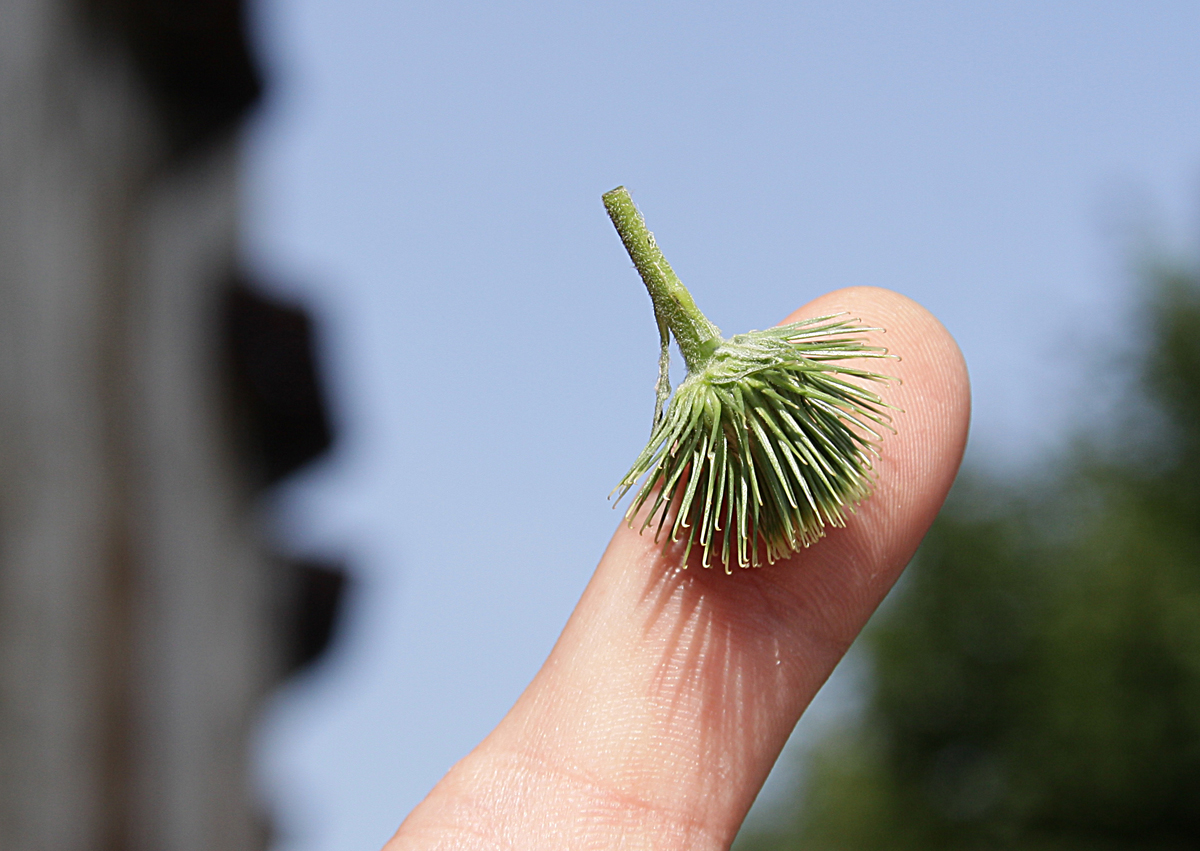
(318, 357)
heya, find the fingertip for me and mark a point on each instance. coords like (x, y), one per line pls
(930, 374)
(916, 465)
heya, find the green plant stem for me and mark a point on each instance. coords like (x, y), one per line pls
(673, 304)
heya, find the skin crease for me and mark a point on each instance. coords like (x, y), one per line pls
(670, 693)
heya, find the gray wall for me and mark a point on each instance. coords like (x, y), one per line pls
(134, 597)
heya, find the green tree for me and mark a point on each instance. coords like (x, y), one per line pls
(1036, 675)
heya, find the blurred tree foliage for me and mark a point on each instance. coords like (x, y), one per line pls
(1036, 675)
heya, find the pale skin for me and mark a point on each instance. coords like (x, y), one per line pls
(669, 694)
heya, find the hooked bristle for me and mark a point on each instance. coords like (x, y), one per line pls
(765, 446)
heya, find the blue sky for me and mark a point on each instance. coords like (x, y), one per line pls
(428, 178)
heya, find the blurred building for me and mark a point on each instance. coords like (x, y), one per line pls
(146, 394)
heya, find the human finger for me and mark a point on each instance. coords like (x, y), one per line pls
(670, 693)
